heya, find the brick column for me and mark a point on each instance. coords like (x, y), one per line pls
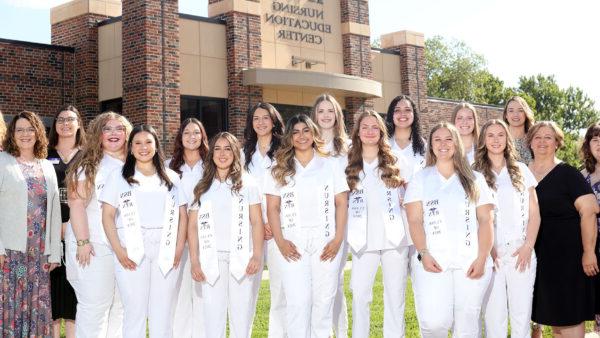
(74, 24)
(357, 51)
(242, 18)
(151, 66)
(411, 46)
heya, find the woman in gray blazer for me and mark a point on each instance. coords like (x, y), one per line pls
(30, 225)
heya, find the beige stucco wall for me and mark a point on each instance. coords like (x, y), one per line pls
(203, 58)
(203, 65)
(386, 69)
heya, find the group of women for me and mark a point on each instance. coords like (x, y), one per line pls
(488, 223)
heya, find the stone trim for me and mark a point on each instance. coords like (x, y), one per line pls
(402, 38)
(356, 29)
(240, 6)
(76, 8)
(38, 45)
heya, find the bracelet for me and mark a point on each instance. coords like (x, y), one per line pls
(83, 242)
(421, 253)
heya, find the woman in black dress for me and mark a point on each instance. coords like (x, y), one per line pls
(564, 288)
(66, 138)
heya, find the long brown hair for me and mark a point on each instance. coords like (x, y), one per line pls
(210, 168)
(390, 173)
(461, 166)
(340, 137)
(466, 105)
(88, 159)
(177, 160)
(2, 129)
(251, 138)
(40, 148)
(79, 136)
(529, 117)
(285, 166)
(589, 161)
(483, 164)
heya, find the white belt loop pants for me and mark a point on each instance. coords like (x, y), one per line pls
(99, 308)
(187, 318)
(310, 286)
(228, 296)
(510, 295)
(277, 321)
(394, 264)
(340, 308)
(449, 300)
(146, 293)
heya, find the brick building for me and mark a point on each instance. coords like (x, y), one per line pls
(157, 66)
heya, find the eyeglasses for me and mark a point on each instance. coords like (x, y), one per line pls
(110, 130)
(65, 120)
(25, 131)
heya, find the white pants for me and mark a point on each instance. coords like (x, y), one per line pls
(99, 308)
(449, 299)
(146, 293)
(509, 293)
(228, 296)
(187, 319)
(277, 310)
(340, 309)
(394, 264)
(310, 286)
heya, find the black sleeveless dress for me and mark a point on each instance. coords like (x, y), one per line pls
(563, 294)
(64, 301)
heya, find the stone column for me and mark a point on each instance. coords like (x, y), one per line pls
(242, 18)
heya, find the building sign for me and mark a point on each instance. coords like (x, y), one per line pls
(300, 23)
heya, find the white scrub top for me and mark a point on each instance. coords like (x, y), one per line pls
(258, 167)
(150, 195)
(221, 196)
(512, 211)
(415, 161)
(446, 210)
(307, 182)
(190, 176)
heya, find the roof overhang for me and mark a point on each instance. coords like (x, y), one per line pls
(349, 85)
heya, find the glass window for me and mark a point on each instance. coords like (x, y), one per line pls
(212, 112)
(114, 105)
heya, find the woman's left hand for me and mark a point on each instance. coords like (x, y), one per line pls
(331, 249)
(52, 266)
(476, 269)
(523, 255)
(590, 263)
(253, 265)
(178, 253)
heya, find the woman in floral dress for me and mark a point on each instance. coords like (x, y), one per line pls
(29, 229)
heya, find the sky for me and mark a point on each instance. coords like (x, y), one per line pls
(516, 37)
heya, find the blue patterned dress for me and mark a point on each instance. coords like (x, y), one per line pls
(25, 279)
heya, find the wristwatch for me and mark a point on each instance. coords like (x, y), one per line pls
(83, 242)
(422, 253)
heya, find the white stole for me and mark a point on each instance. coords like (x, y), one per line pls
(208, 246)
(168, 240)
(327, 206)
(469, 245)
(134, 241)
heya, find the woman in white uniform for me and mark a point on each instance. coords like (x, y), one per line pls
(465, 119)
(189, 152)
(226, 240)
(145, 222)
(517, 221)
(90, 260)
(329, 117)
(377, 233)
(262, 138)
(450, 213)
(307, 205)
(404, 129)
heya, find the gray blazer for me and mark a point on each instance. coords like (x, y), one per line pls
(13, 208)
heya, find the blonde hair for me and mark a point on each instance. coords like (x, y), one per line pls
(2, 128)
(466, 105)
(390, 173)
(559, 136)
(285, 166)
(461, 166)
(88, 159)
(483, 164)
(340, 137)
(529, 118)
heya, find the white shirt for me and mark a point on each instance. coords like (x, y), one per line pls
(375, 190)
(108, 164)
(415, 161)
(306, 182)
(512, 211)
(444, 200)
(150, 195)
(220, 196)
(258, 167)
(190, 176)
(470, 155)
